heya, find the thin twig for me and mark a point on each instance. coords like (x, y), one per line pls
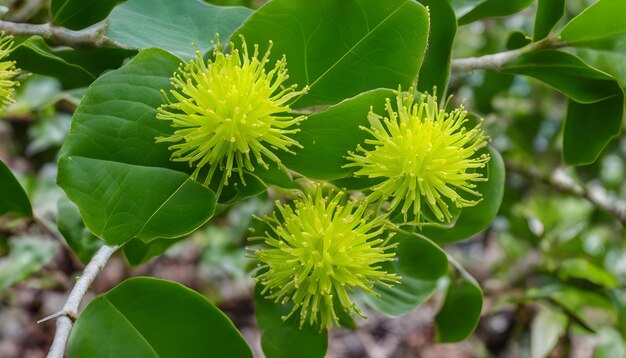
(562, 182)
(90, 37)
(69, 312)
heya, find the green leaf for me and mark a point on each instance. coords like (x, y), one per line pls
(342, 48)
(461, 309)
(517, 39)
(598, 26)
(435, 70)
(124, 184)
(327, 136)
(477, 218)
(78, 14)
(493, 8)
(173, 25)
(27, 255)
(147, 317)
(138, 252)
(420, 263)
(549, 12)
(83, 243)
(545, 330)
(462, 7)
(13, 199)
(593, 125)
(567, 74)
(579, 268)
(285, 338)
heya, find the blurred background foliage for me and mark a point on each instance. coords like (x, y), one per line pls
(552, 265)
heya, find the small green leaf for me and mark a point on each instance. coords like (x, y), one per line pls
(420, 263)
(477, 218)
(517, 39)
(579, 268)
(78, 14)
(27, 255)
(342, 48)
(285, 339)
(13, 199)
(173, 25)
(546, 329)
(326, 137)
(549, 12)
(461, 309)
(435, 70)
(83, 243)
(600, 25)
(566, 73)
(494, 8)
(147, 317)
(590, 127)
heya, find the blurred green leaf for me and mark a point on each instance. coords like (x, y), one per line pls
(493, 8)
(175, 26)
(545, 330)
(372, 51)
(461, 309)
(78, 14)
(590, 127)
(327, 140)
(27, 255)
(579, 268)
(549, 12)
(48, 132)
(83, 243)
(285, 339)
(477, 218)
(435, 71)
(13, 199)
(123, 183)
(147, 317)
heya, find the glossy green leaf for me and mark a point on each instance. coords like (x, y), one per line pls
(420, 263)
(567, 74)
(175, 26)
(517, 39)
(147, 317)
(462, 7)
(78, 14)
(598, 26)
(285, 339)
(545, 330)
(493, 8)
(342, 48)
(13, 199)
(124, 184)
(549, 12)
(590, 127)
(435, 70)
(477, 218)
(138, 252)
(461, 309)
(83, 243)
(326, 137)
(581, 269)
(27, 255)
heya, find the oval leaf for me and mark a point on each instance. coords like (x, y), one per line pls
(78, 14)
(13, 198)
(342, 48)
(493, 8)
(549, 12)
(598, 26)
(147, 317)
(173, 25)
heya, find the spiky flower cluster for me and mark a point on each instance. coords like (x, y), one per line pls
(228, 111)
(320, 250)
(8, 71)
(424, 155)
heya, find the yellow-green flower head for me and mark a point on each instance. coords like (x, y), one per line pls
(230, 111)
(8, 71)
(424, 155)
(320, 250)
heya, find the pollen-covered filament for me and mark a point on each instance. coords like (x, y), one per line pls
(229, 112)
(319, 251)
(425, 155)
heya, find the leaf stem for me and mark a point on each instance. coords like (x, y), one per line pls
(68, 314)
